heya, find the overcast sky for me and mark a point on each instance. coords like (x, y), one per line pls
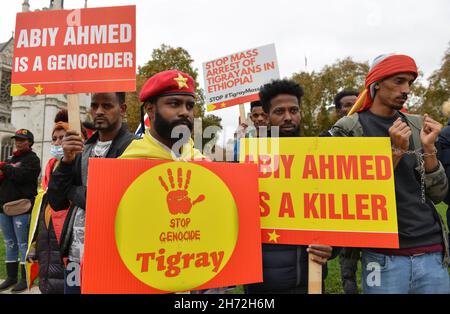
(321, 30)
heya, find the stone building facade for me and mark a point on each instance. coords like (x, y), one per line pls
(35, 113)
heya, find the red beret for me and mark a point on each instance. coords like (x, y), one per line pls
(172, 82)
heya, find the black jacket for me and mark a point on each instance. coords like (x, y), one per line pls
(51, 267)
(444, 153)
(67, 186)
(285, 270)
(21, 178)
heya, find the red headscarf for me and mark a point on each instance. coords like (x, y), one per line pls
(389, 66)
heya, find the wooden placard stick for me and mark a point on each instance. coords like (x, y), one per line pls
(73, 109)
(314, 277)
(242, 116)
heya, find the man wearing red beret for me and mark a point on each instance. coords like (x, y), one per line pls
(169, 99)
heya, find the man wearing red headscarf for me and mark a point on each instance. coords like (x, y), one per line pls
(383, 67)
(420, 264)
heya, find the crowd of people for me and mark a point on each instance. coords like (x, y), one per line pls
(45, 229)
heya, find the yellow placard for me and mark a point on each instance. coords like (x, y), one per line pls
(336, 191)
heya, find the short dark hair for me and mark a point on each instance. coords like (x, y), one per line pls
(277, 87)
(62, 116)
(342, 94)
(255, 104)
(121, 96)
(152, 100)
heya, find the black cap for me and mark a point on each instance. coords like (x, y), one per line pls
(24, 134)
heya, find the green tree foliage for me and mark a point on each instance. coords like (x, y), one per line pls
(416, 98)
(162, 59)
(134, 105)
(438, 91)
(320, 89)
(210, 120)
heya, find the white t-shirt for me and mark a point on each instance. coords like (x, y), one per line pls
(100, 150)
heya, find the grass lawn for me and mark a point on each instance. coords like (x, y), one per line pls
(333, 282)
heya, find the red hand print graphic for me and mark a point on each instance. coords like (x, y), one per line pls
(178, 200)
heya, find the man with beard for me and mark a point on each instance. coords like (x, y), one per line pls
(285, 267)
(420, 264)
(168, 98)
(67, 186)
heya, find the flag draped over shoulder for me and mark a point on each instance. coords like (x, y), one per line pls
(141, 130)
(149, 148)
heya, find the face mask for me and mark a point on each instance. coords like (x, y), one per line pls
(57, 152)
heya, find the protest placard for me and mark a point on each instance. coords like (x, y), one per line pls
(75, 51)
(330, 191)
(161, 227)
(236, 79)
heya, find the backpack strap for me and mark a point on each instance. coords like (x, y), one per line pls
(415, 122)
(348, 126)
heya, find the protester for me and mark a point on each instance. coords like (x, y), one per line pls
(44, 257)
(260, 122)
(258, 117)
(18, 189)
(444, 153)
(420, 265)
(285, 267)
(343, 102)
(169, 99)
(68, 182)
(348, 257)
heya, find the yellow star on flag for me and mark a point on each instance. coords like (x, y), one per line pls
(182, 81)
(223, 105)
(38, 89)
(273, 236)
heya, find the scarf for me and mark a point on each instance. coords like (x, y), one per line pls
(387, 67)
(149, 148)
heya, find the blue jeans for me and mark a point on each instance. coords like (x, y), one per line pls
(15, 232)
(422, 274)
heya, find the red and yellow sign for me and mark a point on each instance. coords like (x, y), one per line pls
(75, 51)
(331, 191)
(236, 79)
(161, 227)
